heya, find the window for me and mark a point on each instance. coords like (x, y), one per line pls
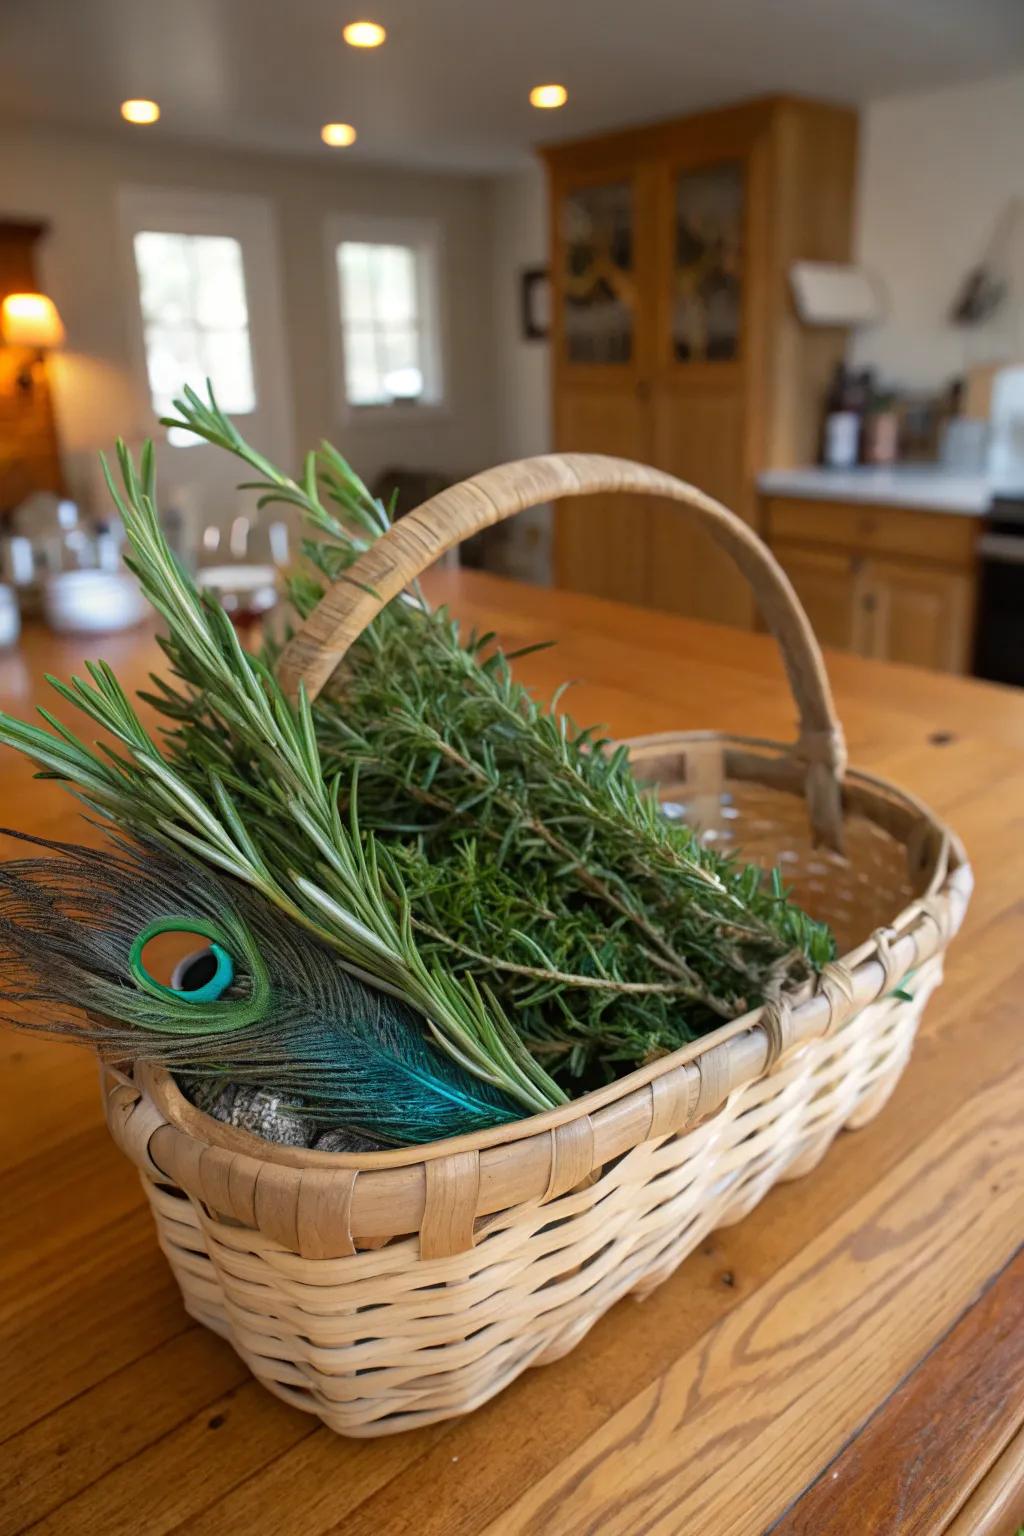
(387, 289)
(195, 318)
(203, 294)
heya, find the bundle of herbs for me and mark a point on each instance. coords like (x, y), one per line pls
(495, 873)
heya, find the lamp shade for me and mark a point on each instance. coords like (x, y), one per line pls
(30, 320)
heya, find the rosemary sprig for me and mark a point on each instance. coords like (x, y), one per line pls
(525, 844)
(459, 844)
(322, 872)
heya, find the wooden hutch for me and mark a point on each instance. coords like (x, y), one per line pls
(674, 337)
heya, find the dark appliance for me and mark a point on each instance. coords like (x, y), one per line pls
(999, 640)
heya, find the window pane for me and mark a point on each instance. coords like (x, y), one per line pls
(220, 283)
(402, 375)
(192, 292)
(355, 279)
(227, 361)
(403, 384)
(172, 360)
(395, 282)
(362, 375)
(377, 281)
(165, 277)
(400, 347)
(381, 321)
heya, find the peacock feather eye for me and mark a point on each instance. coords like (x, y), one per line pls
(204, 976)
(201, 977)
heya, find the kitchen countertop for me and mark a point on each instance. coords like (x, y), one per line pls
(849, 1357)
(930, 488)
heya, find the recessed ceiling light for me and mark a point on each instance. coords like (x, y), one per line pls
(338, 135)
(363, 34)
(549, 96)
(140, 111)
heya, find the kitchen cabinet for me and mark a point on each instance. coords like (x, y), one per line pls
(830, 586)
(920, 615)
(886, 582)
(674, 338)
(610, 546)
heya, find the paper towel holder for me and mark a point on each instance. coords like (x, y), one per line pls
(835, 293)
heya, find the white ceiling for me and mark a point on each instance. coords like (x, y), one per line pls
(449, 87)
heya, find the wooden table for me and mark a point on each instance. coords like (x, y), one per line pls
(849, 1359)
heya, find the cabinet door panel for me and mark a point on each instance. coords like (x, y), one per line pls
(602, 543)
(707, 263)
(831, 590)
(699, 437)
(598, 280)
(922, 617)
(601, 266)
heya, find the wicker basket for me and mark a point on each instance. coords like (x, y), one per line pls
(392, 1289)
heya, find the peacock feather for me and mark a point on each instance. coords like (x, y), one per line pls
(269, 1005)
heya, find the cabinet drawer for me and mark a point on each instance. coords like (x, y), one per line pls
(895, 610)
(937, 537)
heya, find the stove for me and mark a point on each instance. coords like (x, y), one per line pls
(999, 640)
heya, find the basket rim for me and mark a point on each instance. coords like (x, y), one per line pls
(915, 933)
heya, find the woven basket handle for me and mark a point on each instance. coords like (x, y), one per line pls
(413, 544)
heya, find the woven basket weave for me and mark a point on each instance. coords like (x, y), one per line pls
(391, 1289)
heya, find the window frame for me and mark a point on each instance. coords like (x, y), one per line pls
(249, 221)
(422, 235)
(193, 324)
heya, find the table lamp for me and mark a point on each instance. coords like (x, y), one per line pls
(30, 320)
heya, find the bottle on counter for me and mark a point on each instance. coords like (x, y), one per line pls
(880, 438)
(844, 412)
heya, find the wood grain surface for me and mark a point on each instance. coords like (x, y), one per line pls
(859, 1332)
(967, 1396)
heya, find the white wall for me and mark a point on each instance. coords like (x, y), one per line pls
(519, 235)
(936, 170)
(71, 180)
(520, 239)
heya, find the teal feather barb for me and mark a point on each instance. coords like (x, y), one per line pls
(292, 1019)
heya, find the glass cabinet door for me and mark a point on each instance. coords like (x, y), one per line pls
(707, 264)
(598, 281)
